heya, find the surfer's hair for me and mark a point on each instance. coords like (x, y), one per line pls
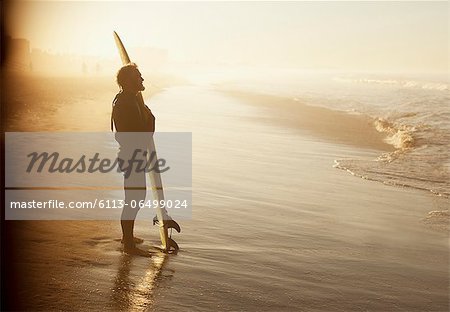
(124, 73)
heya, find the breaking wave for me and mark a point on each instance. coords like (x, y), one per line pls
(421, 159)
(426, 85)
(401, 137)
(413, 113)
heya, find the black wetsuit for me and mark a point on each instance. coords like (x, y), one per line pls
(130, 121)
(126, 117)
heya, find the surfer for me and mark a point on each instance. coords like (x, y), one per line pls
(131, 118)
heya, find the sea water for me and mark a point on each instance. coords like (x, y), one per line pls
(275, 227)
(412, 110)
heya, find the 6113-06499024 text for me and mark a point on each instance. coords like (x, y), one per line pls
(102, 204)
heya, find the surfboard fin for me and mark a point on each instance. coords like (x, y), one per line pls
(169, 246)
(170, 224)
(172, 246)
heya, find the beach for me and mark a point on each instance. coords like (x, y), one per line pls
(275, 227)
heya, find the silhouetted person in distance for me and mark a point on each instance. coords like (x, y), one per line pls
(84, 69)
(130, 116)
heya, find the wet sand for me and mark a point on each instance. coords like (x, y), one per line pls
(274, 226)
(77, 265)
(71, 265)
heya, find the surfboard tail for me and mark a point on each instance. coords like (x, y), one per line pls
(168, 245)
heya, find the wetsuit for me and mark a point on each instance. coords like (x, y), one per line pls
(131, 121)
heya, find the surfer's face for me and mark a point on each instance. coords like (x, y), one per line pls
(138, 81)
(135, 81)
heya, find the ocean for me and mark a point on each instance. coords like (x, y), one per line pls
(412, 110)
(277, 227)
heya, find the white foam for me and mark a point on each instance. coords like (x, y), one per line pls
(397, 82)
(401, 137)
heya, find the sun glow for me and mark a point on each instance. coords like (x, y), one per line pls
(344, 35)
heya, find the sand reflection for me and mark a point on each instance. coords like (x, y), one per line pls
(132, 290)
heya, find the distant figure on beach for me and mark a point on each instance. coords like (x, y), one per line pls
(84, 68)
(129, 115)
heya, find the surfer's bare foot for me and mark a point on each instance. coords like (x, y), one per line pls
(136, 240)
(136, 252)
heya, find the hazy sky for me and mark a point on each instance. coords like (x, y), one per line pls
(345, 35)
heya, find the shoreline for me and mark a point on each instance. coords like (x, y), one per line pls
(329, 125)
(303, 233)
(360, 131)
(292, 232)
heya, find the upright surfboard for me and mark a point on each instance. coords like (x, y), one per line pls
(162, 219)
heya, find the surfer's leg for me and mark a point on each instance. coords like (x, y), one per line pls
(127, 222)
(127, 232)
(135, 190)
(129, 245)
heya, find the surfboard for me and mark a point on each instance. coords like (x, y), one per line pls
(162, 219)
